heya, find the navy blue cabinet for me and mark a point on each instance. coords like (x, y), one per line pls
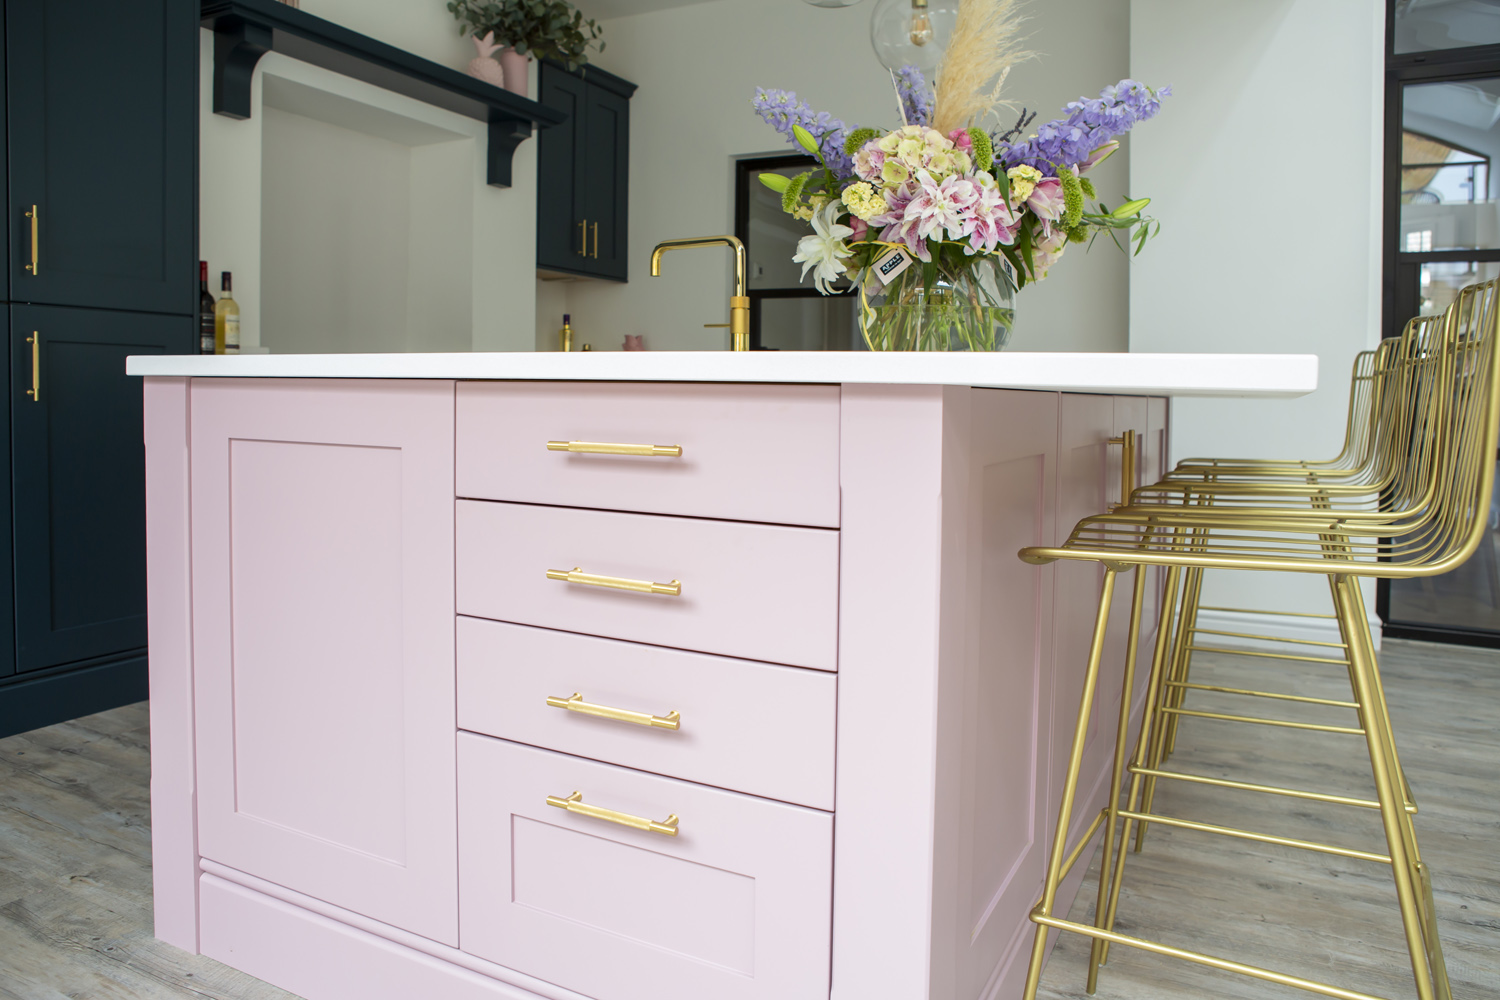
(100, 124)
(583, 174)
(102, 105)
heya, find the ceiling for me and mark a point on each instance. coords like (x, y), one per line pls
(601, 10)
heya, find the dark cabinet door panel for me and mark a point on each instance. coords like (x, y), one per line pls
(560, 218)
(102, 99)
(605, 181)
(78, 479)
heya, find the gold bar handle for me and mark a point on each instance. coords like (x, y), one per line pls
(596, 241)
(603, 448)
(35, 392)
(1127, 443)
(672, 720)
(574, 804)
(583, 233)
(35, 242)
(576, 575)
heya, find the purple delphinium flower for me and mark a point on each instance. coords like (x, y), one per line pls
(916, 96)
(780, 109)
(1068, 142)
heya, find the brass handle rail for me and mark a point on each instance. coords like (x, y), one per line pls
(1127, 443)
(35, 392)
(583, 228)
(596, 241)
(574, 804)
(32, 268)
(672, 720)
(576, 575)
(605, 448)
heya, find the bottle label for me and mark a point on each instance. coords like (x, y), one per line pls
(206, 334)
(231, 335)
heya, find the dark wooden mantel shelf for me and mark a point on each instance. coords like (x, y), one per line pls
(245, 30)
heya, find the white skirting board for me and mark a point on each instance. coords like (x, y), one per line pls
(1257, 623)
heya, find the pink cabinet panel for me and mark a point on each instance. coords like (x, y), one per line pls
(751, 727)
(323, 640)
(757, 591)
(749, 452)
(735, 907)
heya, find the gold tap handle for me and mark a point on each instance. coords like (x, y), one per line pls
(672, 720)
(35, 392)
(596, 241)
(583, 231)
(1126, 442)
(576, 575)
(604, 448)
(574, 804)
(35, 243)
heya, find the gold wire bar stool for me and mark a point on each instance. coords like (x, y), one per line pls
(1428, 517)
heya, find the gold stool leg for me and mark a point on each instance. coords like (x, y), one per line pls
(1153, 686)
(1070, 788)
(1117, 774)
(1164, 737)
(1393, 812)
(1186, 640)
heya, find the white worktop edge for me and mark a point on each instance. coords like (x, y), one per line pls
(1282, 375)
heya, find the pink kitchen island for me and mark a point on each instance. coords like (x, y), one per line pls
(448, 702)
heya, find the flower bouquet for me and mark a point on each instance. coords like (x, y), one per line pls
(940, 221)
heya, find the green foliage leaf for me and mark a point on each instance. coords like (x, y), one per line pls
(546, 29)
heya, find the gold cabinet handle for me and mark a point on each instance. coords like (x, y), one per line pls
(672, 720)
(576, 575)
(1127, 442)
(583, 233)
(574, 804)
(603, 448)
(596, 241)
(35, 242)
(35, 392)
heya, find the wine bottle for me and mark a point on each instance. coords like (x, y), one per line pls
(226, 321)
(206, 322)
(565, 335)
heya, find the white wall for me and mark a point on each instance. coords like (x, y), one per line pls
(1265, 169)
(494, 241)
(698, 66)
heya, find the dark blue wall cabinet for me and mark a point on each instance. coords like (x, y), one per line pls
(102, 101)
(100, 104)
(583, 175)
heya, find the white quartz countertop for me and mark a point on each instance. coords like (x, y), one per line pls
(1135, 374)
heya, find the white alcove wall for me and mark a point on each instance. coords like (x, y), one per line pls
(356, 219)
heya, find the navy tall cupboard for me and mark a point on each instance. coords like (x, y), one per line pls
(100, 123)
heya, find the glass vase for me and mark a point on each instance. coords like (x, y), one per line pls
(968, 308)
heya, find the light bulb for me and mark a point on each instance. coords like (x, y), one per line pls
(912, 32)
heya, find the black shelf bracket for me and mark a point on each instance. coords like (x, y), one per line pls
(245, 30)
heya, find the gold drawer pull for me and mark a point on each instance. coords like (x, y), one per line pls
(574, 804)
(600, 448)
(576, 575)
(576, 704)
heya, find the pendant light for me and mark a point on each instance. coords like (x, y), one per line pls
(912, 32)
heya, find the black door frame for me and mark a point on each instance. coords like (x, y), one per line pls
(1400, 270)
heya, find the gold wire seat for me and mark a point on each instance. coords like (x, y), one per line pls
(1427, 487)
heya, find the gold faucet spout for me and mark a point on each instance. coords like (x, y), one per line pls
(739, 303)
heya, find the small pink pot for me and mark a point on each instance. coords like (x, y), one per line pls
(517, 70)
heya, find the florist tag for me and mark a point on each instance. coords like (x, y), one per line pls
(887, 268)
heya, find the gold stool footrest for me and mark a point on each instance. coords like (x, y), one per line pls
(576, 575)
(574, 804)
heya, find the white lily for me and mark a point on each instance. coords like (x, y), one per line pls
(826, 249)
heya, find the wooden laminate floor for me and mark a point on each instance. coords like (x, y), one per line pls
(75, 862)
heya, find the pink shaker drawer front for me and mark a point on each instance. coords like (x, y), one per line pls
(735, 906)
(751, 727)
(747, 452)
(756, 591)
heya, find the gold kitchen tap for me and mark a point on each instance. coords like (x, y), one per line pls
(739, 303)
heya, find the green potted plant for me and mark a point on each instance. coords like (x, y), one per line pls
(544, 29)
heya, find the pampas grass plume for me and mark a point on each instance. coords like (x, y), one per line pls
(986, 44)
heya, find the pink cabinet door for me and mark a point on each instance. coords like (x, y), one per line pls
(322, 528)
(736, 906)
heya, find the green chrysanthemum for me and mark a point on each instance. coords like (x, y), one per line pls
(791, 198)
(984, 150)
(1078, 234)
(858, 138)
(1072, 198)
(1088, 188)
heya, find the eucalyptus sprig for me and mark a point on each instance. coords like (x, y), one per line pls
(546, 29)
